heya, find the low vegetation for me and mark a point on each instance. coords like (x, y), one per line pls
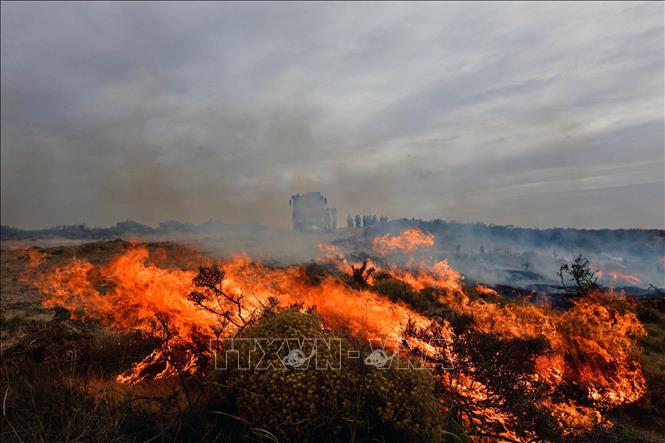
(59, 381)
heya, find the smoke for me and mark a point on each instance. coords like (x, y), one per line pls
(495, 255)
(530, 258)
(155, 112)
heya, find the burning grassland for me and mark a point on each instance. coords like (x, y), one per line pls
(503, 369)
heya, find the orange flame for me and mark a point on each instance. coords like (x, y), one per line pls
(484, 290)
(407, 242)
(618, 276)
(127, 293)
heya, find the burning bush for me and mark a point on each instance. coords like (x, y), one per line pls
(599, 343)
(488, 383)
(505, 369)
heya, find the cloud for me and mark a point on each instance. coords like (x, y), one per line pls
(527, 114)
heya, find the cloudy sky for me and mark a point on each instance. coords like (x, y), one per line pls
(525, 114)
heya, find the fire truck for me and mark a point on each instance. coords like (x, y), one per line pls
(311, 213)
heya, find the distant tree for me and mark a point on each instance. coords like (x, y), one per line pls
(580, 273)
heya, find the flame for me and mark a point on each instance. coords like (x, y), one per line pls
(425, 274)
(599, 343)
(127, 294)
(615, 275)
(593, 343)
(578, 418)
(484, 290)
(330, 250)
(34, 257)
(618, 276)
(407, 242)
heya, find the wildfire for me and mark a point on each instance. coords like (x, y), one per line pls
(127, 294)
(407, 242)
(592, 343)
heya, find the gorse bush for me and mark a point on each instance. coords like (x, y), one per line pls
(401, 402)
(291, 404)
(352, 401)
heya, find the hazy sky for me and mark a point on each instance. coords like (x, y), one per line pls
(524, 114)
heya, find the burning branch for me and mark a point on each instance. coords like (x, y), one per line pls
(360, 275)
(210, 279)
(168, 333)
